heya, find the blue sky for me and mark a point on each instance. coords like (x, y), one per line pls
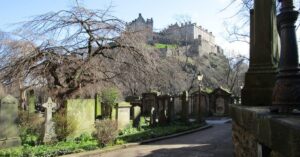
(164, 12)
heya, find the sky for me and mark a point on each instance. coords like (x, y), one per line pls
(206, 13)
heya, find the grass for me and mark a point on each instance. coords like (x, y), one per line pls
(147, 132)
(162, 46)
(60, 148)
(85, 143)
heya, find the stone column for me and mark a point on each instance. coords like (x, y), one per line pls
(286, 94)
(260, 78)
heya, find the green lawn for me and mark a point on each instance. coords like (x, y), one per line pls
(162, 46)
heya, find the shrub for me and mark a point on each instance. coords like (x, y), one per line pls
(64, 126)
(31, 128)
(106, 131)
(110, 95)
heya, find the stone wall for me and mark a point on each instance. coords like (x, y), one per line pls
(259, 133)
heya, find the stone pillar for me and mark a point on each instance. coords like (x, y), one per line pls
(184, 108)
(49, 131)
(260, 78)
(286, 94)
(9, 136)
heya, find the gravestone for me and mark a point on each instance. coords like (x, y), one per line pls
(9, 136)
(49, 132)
(149, 100)
(82, 111)
(171, 110)
(136, 116)
(163, 101)
(220, 106)
(184, 108)
(31, 102)
(264, 54)
(220, 99)
(153, 117)
(123, 115)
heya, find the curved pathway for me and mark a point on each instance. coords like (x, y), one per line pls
(212, 142)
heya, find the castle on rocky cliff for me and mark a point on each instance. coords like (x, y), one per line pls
(198, 39)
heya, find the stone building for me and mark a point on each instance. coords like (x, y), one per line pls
(198, 39)
(142, 28)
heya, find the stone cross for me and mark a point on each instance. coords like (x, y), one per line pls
(49, 134)
(49, 105)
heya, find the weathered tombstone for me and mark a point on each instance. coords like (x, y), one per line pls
(184, 110)
(264, 54)
(123, 115)
(219, 102)
(149, 100)
(49, 132)
(162, 107)
(83, 112)
(153, 117)
(171, 110)
(220, 106)
(31, 102)
(136, 116)
(134, 101)
(9, 135)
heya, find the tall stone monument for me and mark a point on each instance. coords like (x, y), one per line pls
(264, 54)
(9, 135)
(49, 132)
(185, 107)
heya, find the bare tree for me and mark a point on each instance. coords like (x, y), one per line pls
(68, 50)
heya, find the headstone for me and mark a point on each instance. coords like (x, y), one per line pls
(49, 132)
(220, 106)
(153, 117)
(123, 115)
(31, 102)
(82, 111)
(149, 100)
(219, 102)
(171, 110)
(162, 107)
(185, 109)
(264, 54)
(136, 116)
(9, 136)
